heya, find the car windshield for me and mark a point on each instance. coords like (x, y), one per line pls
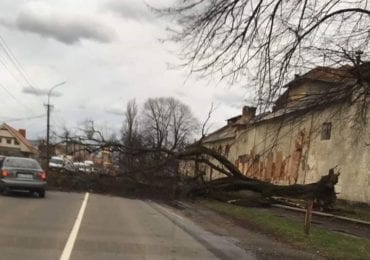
(21, 163)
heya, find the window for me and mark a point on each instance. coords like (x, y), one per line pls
(326, 131)
(22, 163)
(219, 150)
(227, 150)
(16, 142)
(8, 141)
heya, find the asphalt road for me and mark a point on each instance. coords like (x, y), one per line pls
(106, 228)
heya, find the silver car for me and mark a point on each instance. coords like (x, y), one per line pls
(18, 173)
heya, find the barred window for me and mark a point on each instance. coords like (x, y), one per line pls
(219, 150)
(227, 150)
(326, 131)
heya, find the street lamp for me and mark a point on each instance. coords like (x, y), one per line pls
(48, 123)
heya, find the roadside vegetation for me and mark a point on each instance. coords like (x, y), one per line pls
(358, 211)
(327, 243)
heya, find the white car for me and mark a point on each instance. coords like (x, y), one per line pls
(56, 162)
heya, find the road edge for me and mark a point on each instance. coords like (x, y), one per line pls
(202, 237)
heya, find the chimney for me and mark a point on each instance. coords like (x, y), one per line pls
(248, 112)
(22, 132)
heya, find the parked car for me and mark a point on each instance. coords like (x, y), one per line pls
(18, 173)
(70, 167)
(56, 163)
(86, 166)
(89, 166)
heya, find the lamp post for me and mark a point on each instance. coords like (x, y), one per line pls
(48, 124)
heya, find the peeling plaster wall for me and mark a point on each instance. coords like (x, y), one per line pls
(291, 150)
(288, 150)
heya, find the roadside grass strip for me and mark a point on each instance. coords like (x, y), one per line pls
(325, 242)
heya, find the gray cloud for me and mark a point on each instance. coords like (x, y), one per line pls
(234, 99)
(6, 23)
(101, 78)
(131, 10)
(39, 92)
(62, 27)
(114, 111)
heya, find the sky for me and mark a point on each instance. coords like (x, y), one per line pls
(108, 52)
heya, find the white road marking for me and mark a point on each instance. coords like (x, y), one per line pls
(73, 235)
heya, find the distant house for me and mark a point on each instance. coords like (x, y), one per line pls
(14, 143)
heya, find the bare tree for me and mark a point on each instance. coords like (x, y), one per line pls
(167, 123)
(132, 139)
(130, 132)
(266, 42)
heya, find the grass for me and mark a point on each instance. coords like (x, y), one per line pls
(345, 209)
(328, 243)
(360, 211)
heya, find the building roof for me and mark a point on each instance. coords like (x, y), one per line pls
(20, 138)
(338, 85)
(338, 81)
(325, 74)
(223, 133)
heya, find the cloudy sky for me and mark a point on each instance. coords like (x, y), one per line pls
(108, 52)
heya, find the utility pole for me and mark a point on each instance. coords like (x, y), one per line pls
(67, 142)
(47, 135)
(48, 106)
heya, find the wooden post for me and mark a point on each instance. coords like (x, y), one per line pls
(307, 217)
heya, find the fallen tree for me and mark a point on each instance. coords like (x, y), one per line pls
(323, 191)
(152, 164)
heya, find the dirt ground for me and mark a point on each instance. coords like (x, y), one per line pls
(263, 245)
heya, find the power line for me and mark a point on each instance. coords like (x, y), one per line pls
(24, 118)
(14, 61)
(17, 65)
(11, 73)
(10, 93)
(15, 98)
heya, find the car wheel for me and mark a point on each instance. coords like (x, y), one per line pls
(41, 194)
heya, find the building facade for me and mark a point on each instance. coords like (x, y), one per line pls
(319, 122)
